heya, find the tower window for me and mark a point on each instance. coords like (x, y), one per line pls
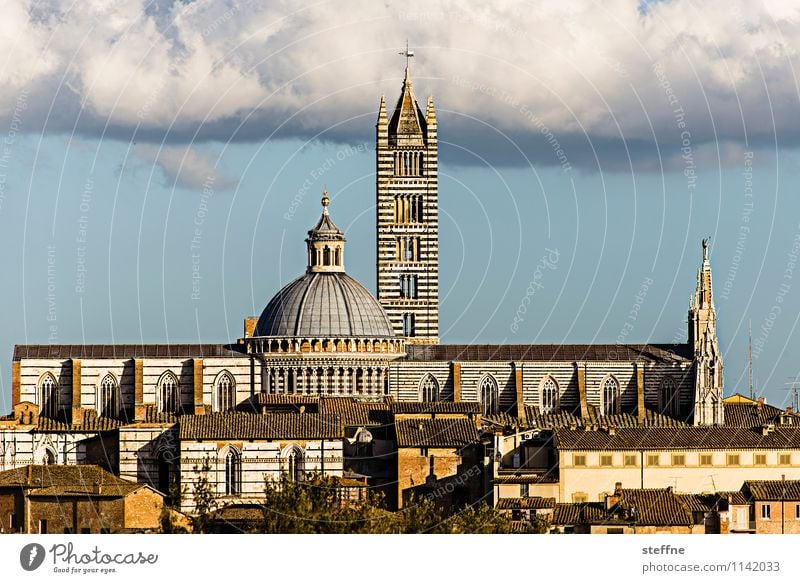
(408, 286)
(409, 324)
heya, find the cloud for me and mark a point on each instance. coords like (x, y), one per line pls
(617, 85)
(184, 166)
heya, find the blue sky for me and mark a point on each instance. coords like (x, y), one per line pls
(149, 142)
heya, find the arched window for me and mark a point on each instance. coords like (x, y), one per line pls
(670, 399)
(489, 395)
(168, 394)
(715, 411)
(549, 395)
(429, 389)
(409, 325)
(48, 396)
(109, 397)
(610, 396)
(294, 464)
(225, 389)
(233, 472)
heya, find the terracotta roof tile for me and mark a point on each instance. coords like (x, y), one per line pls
(435, 432)
(772, 489)
(355, 411)
(232, 426)
(60, 480)
(677, 438)
(460, 407)
(530, 503)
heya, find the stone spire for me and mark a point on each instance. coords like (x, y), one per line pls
(708, 407)
(407, 125)
(325, 242)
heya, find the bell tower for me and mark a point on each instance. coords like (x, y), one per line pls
(708, 406)
(408, 216)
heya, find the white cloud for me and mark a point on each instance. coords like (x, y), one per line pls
(184, 166)
(587, 70)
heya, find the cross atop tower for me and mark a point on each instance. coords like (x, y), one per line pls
(407, 53)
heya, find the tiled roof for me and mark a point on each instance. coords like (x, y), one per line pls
(656, 507)
(565, 419)
(526, 477)
(91, 424)
(153, 415)
(570, 514)
(232, 426)
(736, 497)
(698, 502)
(58, 480)
(460, 407)
(677, 438)
(531, 503)
(435, 432)
(549, 352)
(640, 507)
(125, 351)
(772, 489)
(285, 399)
(750, 415)
(356, 412)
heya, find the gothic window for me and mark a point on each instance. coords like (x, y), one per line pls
(429, 389)
(412, 286)
(403, 286)
(225, 392)
(489, 395)
(168, 393)
(715, 411)
(109, 396)
(549, 395)
(610, 396)
(48, 396)
(421, 164)
(233, 472)
(670, 399)
(294, 464)
(409, 322)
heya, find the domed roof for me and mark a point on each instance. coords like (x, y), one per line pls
(324, 304)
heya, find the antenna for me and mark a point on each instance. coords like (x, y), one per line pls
(793, 386)
(750, 357)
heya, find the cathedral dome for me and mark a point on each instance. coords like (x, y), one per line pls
(325, 302)
(324, 305)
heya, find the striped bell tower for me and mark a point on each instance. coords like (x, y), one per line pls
(408, 217)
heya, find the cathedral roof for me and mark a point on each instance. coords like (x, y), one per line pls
(550, 352)
(324, 305)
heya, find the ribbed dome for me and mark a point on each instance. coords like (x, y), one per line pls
(321, 305)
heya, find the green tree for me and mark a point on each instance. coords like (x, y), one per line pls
(204, 497)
